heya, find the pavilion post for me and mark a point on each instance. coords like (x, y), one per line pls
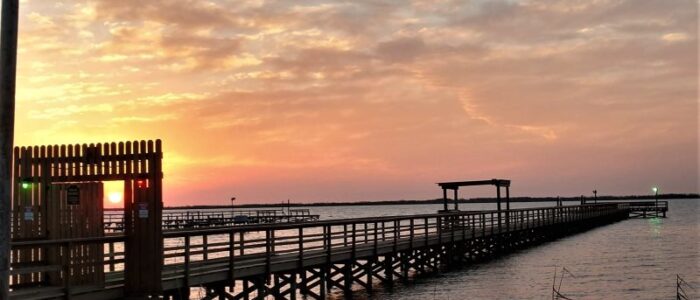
(498, 198)
(456, 199)
(8, 79)
(444, 198)
(508, 207)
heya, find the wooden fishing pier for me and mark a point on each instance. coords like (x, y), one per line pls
(60, 248)
(287, 260)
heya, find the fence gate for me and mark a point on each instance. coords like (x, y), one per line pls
(76, 211)
(58, 194)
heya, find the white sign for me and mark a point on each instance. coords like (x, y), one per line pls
(28, 214)
(143, 210)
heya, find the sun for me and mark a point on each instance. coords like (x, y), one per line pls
(115, 197)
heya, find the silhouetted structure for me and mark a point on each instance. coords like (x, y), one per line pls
(60, 250)
(58, 196)
(455, 185)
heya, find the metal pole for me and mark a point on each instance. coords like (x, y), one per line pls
(232, 214)
(8, 77)
(656, 200)
(595, 196)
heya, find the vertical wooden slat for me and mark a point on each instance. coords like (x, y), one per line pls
(104, 163)
(99, 231)
(63, 165)
(42, 209)
(154, 223)
(25, 254)
(114, 165)
(141, 225)
(121, 161)
(55, 165)
(35, 205)
(98, 159)
(84, 170)
(69, 158)
(130, 258)
(91, 159)
(22, 196)
(44, 189)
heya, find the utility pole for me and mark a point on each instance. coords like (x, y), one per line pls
(8, 79)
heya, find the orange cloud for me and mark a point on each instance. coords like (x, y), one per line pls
(371, 100)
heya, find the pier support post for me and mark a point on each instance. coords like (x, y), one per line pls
(293, 286)
(347, 278)
(456, 199)
(323, 281)
(389, 269)
(444, 198)
(304, 283)
(246, 287)
(260, 287)
(369, 270)
(404, 266)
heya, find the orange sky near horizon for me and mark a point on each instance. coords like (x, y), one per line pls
(371, 100)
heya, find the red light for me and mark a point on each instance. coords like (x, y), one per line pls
(141, 184)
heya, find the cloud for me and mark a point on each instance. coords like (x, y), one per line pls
(277, 92)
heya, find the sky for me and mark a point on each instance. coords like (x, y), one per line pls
(325, 100)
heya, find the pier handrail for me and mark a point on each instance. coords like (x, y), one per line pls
(262, 245)
(333, 222)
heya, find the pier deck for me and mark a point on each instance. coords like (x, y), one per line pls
(648, 209)
(282, 261)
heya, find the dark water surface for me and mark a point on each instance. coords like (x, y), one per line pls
(632, 259)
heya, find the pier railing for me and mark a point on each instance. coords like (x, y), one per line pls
(644, 209)
(240, 250)
(191, 256)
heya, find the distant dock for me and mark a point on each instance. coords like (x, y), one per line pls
(206, 218)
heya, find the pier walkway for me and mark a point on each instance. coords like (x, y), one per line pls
(287, 260)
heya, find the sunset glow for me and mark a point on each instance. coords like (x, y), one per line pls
(115, 197)
(114, 194)
(370, 100)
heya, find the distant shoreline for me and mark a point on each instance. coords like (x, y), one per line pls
(439, 201)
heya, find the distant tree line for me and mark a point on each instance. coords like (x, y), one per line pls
(439, 201)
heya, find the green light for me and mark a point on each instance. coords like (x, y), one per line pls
(655, 189)
(26, 185)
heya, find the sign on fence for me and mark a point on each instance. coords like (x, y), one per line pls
(73, 192)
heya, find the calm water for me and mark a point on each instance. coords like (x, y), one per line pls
(632, 259)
